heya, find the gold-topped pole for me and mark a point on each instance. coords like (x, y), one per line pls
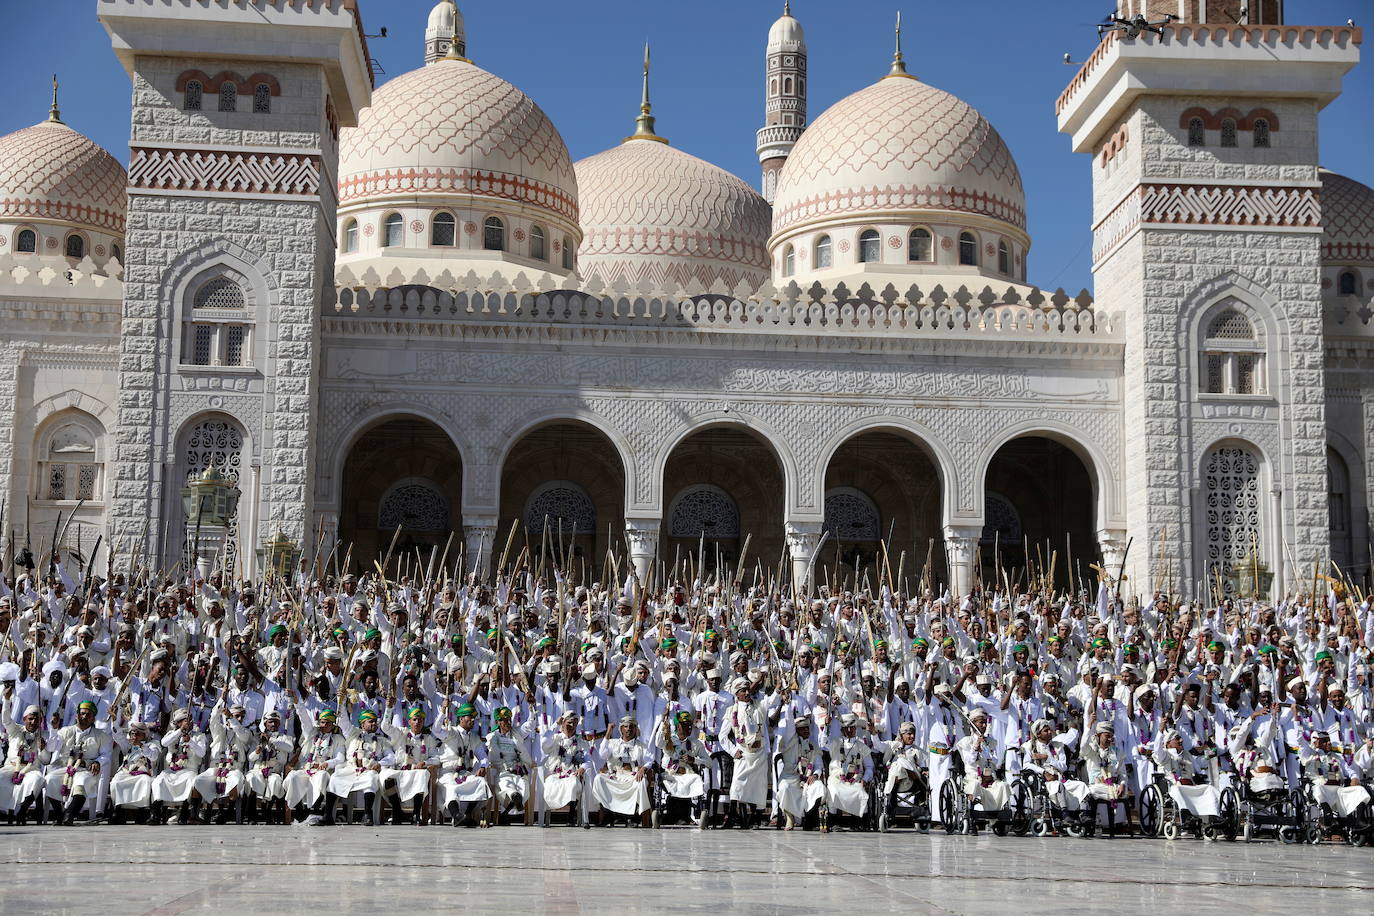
(453, 40)
(644, 124)
(54, 113)
(898, 64)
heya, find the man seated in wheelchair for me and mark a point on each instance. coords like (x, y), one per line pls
(1187, 775)
(801, 781)
(978, 753)
(1331, 781)
(851, 770)
(1251, 742)
(1045, 767)
(1105, 765)
(683, 763)
(905, 761)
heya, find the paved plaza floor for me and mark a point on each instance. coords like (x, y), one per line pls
(167, 870)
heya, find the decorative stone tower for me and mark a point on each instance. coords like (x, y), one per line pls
(1206, 247)
(445, 28)
(232, 197)
(785, 111)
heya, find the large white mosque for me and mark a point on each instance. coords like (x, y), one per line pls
(404, 305)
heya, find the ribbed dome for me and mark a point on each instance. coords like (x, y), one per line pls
(785, 32)
(652, 211)
(899, 145)
(51, 172)
(1347, 219)
(453, 130)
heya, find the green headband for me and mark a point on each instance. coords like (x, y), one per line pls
(1321, 655)
(365, 716)
(465, 710)
(1215, 646)
(456, 639)
(278, 628)
(1269, 649)
(1100, 643)
(415, 711)
(1019, 647)
(491, 633)
(372, 633)
(86, 704)
(879, 643)
(328, 715)
(545, 642)
(501, 712)
(711, 634)
(668, 642)
(919, 641)
(684, 716)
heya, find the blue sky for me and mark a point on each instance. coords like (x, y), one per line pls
(580, 61)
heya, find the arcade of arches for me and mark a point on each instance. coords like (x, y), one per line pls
(720, 485)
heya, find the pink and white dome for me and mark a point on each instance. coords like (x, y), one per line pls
(650, 211)
(453, 132)
(899, 146)
(51, 173)
(1347, 220)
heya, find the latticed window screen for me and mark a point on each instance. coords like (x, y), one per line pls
(1231, 325)
(824, 252)
(228, 97)
(57, 481)
(852, 516)
(1228, 132)
(1232, 486)
(1261, 134)
(414, 507)
(564, 503)
(262, 99)
(704, 509)
(233, 344)
(204, 346)
(193, 96)
(218, 443)
(220, 293)
(85, 481)
(1246, 364)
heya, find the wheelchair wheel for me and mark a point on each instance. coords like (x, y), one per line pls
(1288, 834)
(1040, 827)
(1020, 810)
(1312, 834)
(949, 814)
(1229, 811)
(1075, 830)
(882, 822)
(655, 818)
(1359, 838)
(1151, 811)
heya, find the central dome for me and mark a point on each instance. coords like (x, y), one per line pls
(650, 211)
(453, 130)
(899, 145)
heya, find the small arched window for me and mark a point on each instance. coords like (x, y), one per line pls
(1233, 355)
(539, 245)
(870, 247)
(350, 236)
(262, 99)
(393, 231)
(1197, 132)
(1003, 258)
(117, 253)
(192, 100)
(69, 468)
(773, 86)
(1347, 284)
(918, 245)
(567, 253)
(228, 97)
(494, 234)
(27, 242)
(218, 331)
(824, 253)
(1228, 132)
(76, 247)
(787, 86)
(1261, 133)
(968, 249)
(789, 261)
(444, 232)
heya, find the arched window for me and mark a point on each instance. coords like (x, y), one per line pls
(117, 253)
(76, 247)
(444, 232)
(539, 246)
(393, 231)
(919, 245)
(350, 236)
(1347, 284)
(703, 509)
(1228, 132)
(494, 234)
(870, 247)
(1233, 509)
(566, 506)
(1003, 258)
(789, 261)
(824, 253)
(567, 253)
(68, 468)
(1233, 356)
(787, 85)
(1261, 133)
(228, 97)
(1338, 507)
(1197, 132)
(218, 330)
(262, 99)
(851, 515)
(192, 100)
(968, 249)
(27, 242)
(413, 505)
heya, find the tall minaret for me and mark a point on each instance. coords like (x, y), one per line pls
(785, 113)
(445, 28)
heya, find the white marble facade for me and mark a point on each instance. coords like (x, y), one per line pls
(412, 304)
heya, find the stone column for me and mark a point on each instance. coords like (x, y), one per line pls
(1112, 543)
(961, 545)
(479, 533)
(642, 536)
(802, 540)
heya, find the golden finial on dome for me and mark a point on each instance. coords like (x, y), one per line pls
(898, 65)
(54, 113)
(644, 124)
(453, 40)
(786, 7)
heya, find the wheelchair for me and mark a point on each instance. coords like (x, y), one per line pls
(668, 809)
(1280, 811)
(718, 781)
(912, 805)
(960, 814)
(1034, 811)
(1160, 815)
(1322, 821)
(869, 821)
